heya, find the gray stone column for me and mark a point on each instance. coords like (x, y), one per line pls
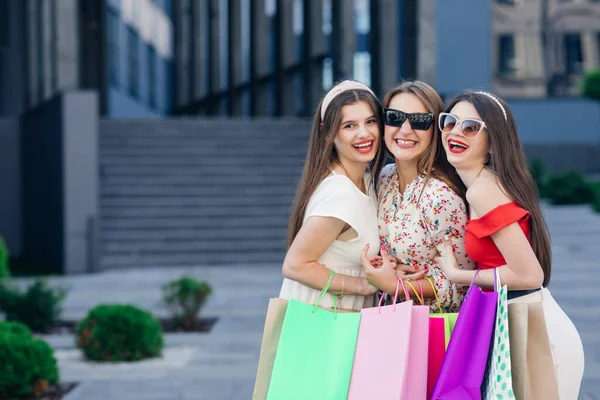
(235, 67)
(67, 44)
(344, 39)
(315, 48)
(261, 63)
(59, 151)
(387, 32)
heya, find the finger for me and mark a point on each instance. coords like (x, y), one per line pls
(416, 275)
(364, 259)
(405, 268)
(448, 244)
(384, 253)
(375, 259)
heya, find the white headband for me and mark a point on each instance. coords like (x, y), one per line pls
(339, 88)
(496, 101)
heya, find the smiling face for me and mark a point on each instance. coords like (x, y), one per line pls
(405, 143)
(466, 144)
(357, 139)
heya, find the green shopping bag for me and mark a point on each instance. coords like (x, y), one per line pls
(315, 353)
(497, 383)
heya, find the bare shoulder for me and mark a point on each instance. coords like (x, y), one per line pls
(485, 194)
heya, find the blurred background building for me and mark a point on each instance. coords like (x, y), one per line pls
(173, 132)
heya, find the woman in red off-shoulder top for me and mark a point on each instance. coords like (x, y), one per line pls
(506, 229)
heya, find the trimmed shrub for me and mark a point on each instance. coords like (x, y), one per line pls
(39, 307)
(4, 270)
(591, 84)
(27, 364)
(569, 187)
(15, 328)
(119, 333)
(185, 297)
(596, 202)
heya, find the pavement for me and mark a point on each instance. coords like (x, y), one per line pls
(221, 364)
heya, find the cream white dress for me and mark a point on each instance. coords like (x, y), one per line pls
(338, 197)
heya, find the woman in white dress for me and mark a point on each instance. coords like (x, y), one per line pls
(334, 215)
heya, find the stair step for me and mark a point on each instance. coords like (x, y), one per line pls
(196, 192)
(160, 246)
(173, 191)
(230, 169)
(176, 201)
(199, 180)
(185, 234)
(241, 222)
(226, 212)
(297, 150)
(221, 142)
(189, 259)
(188, 161)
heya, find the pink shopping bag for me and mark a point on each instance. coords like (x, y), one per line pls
(437, 350)
(381, 357)
(415, 387)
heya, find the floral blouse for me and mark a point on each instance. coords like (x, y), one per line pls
(413, 230)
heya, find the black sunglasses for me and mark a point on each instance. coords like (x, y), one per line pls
(418, 121)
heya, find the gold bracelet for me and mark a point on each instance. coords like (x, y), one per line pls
(341, 295)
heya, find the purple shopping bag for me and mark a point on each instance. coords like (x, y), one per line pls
(466, 358)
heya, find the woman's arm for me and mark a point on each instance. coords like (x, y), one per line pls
(300, 264)
(522, 269)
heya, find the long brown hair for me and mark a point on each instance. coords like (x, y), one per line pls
(322, 153)
(507, 161)
(434, 162)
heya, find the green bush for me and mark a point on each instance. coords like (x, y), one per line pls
(27, 364)
(119, 333)
(15, 328)
(4, 270)
(596, 202)
(591, 84)
(538, 171)
(39, 307)
(185, 297)
(569, 187)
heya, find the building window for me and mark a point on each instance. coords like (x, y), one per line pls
(133, 62)
(573, 53)
(506, 55)
(151, 76)
(509, 2)
(113, 47)
(4, 26)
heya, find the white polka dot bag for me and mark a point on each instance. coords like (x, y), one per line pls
(497, 383)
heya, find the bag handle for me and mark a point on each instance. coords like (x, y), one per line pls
(395, 296)
(325, 289)
(437, 299)
(420, 298)
(497, 282)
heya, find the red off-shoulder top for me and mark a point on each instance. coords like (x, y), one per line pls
(478, 242)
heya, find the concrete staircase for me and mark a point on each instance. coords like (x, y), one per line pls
(197, 191)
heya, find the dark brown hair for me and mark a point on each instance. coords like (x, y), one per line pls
(434, 162)
(322, 154)
(507, 161)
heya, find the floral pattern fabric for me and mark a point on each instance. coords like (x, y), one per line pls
(412, 227)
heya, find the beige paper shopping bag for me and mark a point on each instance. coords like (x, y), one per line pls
(270, 341)
(533, 374)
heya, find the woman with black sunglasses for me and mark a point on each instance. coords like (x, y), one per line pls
(506, 229)
(421, 200)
